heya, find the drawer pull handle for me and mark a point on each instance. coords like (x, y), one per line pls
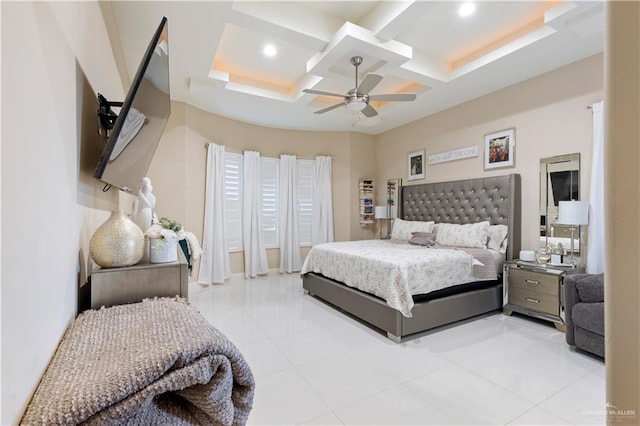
(528, 299)
(532, 281)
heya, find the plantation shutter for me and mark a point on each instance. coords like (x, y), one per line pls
(233, 200)
(305, 199)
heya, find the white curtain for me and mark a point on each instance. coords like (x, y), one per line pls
(214, 263)
(596, 249)
(288, 224)
(322, 218)
(255, 254)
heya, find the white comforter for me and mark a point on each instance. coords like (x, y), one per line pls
(392, 270)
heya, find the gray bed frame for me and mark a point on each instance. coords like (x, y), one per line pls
(496, 199)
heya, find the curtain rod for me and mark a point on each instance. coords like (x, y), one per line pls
(206, 144)
(590, 106)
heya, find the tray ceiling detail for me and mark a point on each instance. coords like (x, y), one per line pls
(422, 47)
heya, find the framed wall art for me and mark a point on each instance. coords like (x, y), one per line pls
(415, 165)
(499, 149)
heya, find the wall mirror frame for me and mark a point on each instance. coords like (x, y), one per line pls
(559, 181)
(393, 199)
(393, 194)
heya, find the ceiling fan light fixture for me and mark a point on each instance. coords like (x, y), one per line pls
(356, 105)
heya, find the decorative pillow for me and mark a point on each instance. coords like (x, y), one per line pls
(402, 229)
(468, 235)
(423, 238)
(497, 239)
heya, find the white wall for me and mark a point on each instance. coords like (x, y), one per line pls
(550, 118)
(50, 207)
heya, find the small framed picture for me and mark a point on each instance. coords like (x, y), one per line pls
(415, 165)
(499, 149)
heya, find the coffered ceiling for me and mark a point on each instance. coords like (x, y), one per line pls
(423, 47)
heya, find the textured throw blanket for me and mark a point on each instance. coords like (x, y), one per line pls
(154, 362)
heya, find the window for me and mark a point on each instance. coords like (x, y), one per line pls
(305, 199)
(233, 164)
(233, 200)
(269, 177)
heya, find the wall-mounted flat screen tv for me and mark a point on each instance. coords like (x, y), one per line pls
(143, 116)
(564, 185)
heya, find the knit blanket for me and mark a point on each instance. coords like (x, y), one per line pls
(154, 362)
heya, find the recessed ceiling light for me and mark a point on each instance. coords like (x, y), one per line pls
(270, 50)
(466, 9)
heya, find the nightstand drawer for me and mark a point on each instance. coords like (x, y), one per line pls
(536, 281)
(534, 300)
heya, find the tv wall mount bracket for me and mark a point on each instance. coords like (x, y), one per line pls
(106, 115)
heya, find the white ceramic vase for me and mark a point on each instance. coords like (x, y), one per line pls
(163, 250)
(117, 242)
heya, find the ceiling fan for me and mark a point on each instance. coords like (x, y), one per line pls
(358, 99)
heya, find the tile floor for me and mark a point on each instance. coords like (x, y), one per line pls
(316, 366)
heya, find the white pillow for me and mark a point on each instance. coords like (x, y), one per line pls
(498, 238)
(468, 235)
(402, 229)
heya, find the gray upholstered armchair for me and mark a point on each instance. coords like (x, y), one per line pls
(584, 311)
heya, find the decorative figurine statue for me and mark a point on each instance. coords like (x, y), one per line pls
(144, 205)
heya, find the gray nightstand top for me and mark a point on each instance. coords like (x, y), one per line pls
(542, 267)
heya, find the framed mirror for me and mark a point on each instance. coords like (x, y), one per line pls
(559, 181)
(393, 197)
(392, 201)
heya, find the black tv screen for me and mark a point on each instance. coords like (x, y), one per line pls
(564, 185)
(143, 116)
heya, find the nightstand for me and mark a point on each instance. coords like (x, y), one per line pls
(536, 290)
(117, 286)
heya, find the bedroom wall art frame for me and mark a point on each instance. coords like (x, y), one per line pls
(415, 165)
(499, 149)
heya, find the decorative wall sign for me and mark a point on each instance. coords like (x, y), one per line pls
(456, 154)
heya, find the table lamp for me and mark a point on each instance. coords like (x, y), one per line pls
(573, 213)
(381, 213)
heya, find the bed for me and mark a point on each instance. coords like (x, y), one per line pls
(494, 199)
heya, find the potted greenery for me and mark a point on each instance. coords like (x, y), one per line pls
(163, 240)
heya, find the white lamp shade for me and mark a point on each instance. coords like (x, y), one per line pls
(356, 105)
(381, 212)
(573, 213)
(393, 212)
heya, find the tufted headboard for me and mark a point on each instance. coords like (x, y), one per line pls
(496, 199)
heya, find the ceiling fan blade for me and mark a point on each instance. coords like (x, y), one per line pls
(368, 83)
(393, 97)
(327, 109)
(369, 111)
(320, 92)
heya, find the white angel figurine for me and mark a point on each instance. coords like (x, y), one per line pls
(144, 205)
